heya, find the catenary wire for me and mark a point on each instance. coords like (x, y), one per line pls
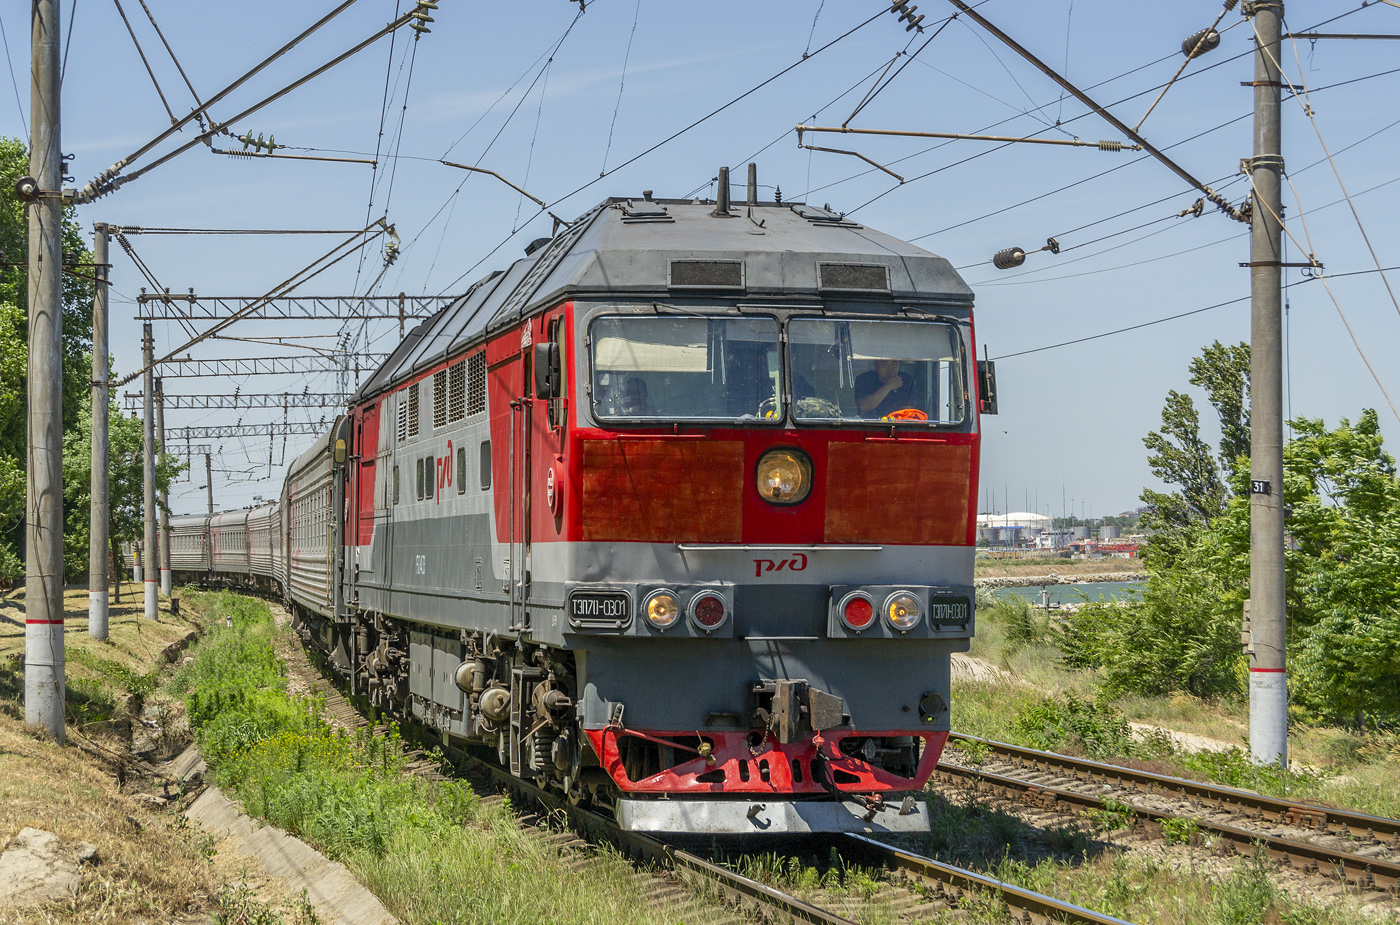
(137, 42)
(1312, 120)
(671, 138)
(622, 82)
(14, 82)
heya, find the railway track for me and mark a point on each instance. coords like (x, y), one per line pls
(1351, 847)
(929, 880)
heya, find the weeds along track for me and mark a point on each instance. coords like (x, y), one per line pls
(917, 887)
(1354, 848)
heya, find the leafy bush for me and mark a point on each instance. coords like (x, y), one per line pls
(1056, 722)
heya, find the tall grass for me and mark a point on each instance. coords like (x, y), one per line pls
(430, 850)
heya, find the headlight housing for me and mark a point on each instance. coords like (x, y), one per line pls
(903, 611)
(662, 609)
(784, 476)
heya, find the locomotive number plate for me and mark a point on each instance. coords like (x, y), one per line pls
(949, 610)
(600, 609)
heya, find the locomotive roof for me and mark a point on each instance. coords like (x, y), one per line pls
(625, 247)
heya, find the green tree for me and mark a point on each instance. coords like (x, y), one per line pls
(1344, 597)
(14, 350)
(1224, 373)
(125, 484)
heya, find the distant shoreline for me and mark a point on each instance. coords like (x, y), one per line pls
(1035, 581)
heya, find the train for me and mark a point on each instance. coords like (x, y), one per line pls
(674, 515)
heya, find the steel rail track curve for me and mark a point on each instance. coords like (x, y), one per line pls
(1324, 819)
(1304, 857)
(950, 883)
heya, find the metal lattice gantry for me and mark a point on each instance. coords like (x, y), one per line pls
(270, 366)
(249, 400)
(172, 306)
(225, 431)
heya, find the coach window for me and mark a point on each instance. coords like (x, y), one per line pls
(429, 478)
(485, 464)
(420, 478)
(396, 484)
(461, 470)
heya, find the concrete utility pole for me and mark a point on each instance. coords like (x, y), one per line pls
(99, 526)
(150, 556)
(43, 508)
(209, 480)
(1268, 678)
(163, 509)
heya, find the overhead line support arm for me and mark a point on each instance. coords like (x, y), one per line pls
(1220, 201)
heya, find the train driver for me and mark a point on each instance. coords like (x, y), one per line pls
(883, 390)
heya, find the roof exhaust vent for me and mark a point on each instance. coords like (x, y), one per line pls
(753, 184)
(722, 200)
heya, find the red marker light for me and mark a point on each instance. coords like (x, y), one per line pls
(709, 610)
(858, 612)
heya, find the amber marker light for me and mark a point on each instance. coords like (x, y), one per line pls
(902, 610)
(662, 609)
(784, 476)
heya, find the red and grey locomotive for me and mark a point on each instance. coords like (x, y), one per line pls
(674, 514)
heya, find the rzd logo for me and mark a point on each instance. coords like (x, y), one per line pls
(796, 564)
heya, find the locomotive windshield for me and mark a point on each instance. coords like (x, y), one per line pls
(901, 371)
(678, 368)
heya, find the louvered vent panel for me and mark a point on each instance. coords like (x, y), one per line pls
(707, 274)
(853, 277)
(403, 417)
(457, 392)
(476, 383)
(413, 414)
(440, 399)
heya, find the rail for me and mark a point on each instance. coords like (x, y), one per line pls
(1326, 819)
(950, 883)
(1307, 857)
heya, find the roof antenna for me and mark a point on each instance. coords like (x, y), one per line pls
(753, 184)
(722, 196)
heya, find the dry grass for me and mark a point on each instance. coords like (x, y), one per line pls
(150, 867)
(132, 639)
(147, 869)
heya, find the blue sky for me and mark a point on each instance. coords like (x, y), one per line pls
(494, 84)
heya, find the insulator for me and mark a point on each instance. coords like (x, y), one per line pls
(1008, 258)
(914, 24)
(1110, 146)
(422, 16)
(426, 5)
(1198, 43)
(419, 28)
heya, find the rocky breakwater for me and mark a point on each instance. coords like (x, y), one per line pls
(1036, 581)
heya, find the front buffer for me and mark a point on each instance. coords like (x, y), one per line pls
(749, 736)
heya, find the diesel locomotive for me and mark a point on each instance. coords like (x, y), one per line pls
(674, 515)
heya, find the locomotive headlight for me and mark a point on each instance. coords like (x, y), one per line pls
(784, 476)
(902, 610)
(662, 609)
